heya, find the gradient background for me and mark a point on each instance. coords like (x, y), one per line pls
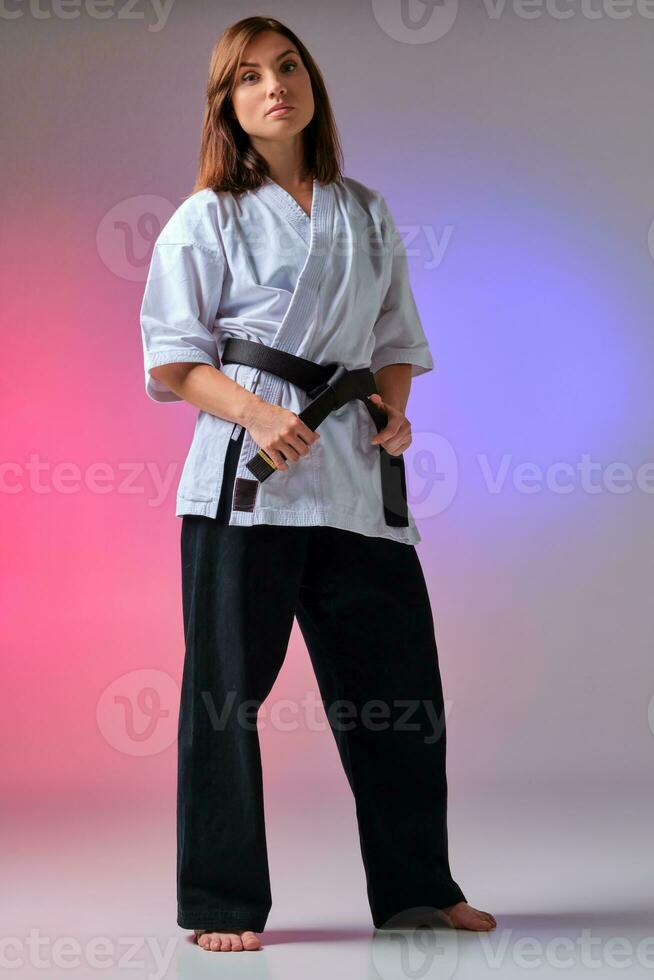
(524, 146)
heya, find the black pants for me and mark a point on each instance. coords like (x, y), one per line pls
(363, 609)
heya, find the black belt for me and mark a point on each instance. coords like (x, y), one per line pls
(329, 386)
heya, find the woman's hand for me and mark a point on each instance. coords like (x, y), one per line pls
(279, 432)
(395, 437)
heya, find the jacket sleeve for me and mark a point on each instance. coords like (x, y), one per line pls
(179, 308)
(398, 331)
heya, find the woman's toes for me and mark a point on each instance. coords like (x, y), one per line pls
(226, 942)
(485, 920)
(465, 916)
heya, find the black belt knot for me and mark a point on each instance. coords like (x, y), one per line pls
(329, 386)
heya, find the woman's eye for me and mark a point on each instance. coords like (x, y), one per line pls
(250, 74)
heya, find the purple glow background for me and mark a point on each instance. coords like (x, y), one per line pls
(531, 142)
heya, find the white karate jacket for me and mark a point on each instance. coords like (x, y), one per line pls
(332, 287)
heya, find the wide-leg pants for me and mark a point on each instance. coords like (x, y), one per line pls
(364, 612)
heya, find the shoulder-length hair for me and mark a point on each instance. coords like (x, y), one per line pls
(228, 161)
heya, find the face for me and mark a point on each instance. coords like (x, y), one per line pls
(272, 72)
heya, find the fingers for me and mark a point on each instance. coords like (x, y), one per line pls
(394, 447)
(293, 443)
(277, 459)
(396, 450)
(298, 443)
(395, 438)
(396, 434)
(392, 428)
(307, 434)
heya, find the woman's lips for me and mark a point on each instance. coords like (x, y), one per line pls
(281, 112)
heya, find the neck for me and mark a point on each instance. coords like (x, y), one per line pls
(286, 164)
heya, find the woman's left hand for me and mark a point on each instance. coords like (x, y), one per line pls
(396, 436)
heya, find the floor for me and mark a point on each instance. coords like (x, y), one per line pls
(567, 872)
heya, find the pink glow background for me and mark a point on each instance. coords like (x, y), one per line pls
(539, 319)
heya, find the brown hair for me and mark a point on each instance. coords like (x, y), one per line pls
(228, 161)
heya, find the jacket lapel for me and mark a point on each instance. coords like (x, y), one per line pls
(305, 296)
(285, 205)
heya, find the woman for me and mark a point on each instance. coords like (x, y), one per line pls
(276, 255)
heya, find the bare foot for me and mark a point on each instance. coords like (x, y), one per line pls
(227, 942)
(464, 916)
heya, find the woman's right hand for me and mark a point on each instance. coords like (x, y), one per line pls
(279, 432)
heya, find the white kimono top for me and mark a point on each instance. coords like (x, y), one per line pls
(332, 287)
